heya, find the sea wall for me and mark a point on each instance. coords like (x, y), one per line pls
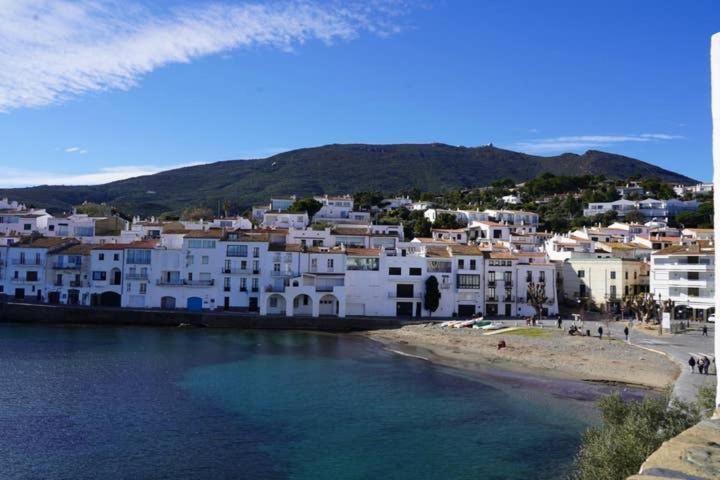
(11, 312)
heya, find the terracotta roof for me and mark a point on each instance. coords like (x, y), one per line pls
(211, 233)
(685, 250)
(363, 252)
(75, 250)
(437, 252)
(467, 250)
(46, 242)
(503, 255)
(143, 244)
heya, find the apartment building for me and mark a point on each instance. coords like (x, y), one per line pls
(685, 274)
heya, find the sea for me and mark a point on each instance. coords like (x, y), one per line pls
(89, 402)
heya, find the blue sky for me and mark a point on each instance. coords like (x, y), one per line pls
(93, 91)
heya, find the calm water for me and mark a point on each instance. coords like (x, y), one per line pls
(136, 403)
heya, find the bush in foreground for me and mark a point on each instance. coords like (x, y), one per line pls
(631, 431)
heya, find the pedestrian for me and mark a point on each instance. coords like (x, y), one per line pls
(700, 365)
(627, 334)
(559, 321)
(706, 365)
(704, 331)
(600, 332)
(691, 362)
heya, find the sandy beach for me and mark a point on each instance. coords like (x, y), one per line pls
(546, 352)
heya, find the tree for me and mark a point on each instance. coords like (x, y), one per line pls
(630, 432)
(634, 216)
(432, 294)
(308, 204)
(196, 213)
(446, 220)
(226, 207)
(642, 305)
(536, 296)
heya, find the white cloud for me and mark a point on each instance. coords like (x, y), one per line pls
(53, 50)
(79, 150)
(14, 177)
(584, 142)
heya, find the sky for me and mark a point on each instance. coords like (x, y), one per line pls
(98, 90)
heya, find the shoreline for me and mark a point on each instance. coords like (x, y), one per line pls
(610, 363)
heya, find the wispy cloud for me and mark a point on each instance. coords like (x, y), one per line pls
(16, 177)
(583, 142)
(53, 50)
(75, 150)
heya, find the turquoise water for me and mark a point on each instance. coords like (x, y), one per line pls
(136, 403)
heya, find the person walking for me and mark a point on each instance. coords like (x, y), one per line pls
(600, 332)
(706, 365)
(627, 334)
(559, 321)
(691, 362)
(705, 330)
(700, 365)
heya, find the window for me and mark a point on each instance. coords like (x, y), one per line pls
(313, 263)
(99, 276)
(31, 276)
(116, 257)
(143, 288)
(473, 264)
(468, 281)
(276, 267)
(416, 271)
(197, 243)
(626, 274)
(205, 259)
(507, 277)
(27, 226)
(237, 251)
(256, 252)
(360, 263)
(542, 277)
(612, 274)
(330, 263)
(497, 233)
(581, 273)
(461, 264)
(693, 275)
(101, 256)
(528, 276)
(226, 283)
(404, 291)
(438, 266)
(394, 271)
(491, 276)
(692, 292)
(138, 257)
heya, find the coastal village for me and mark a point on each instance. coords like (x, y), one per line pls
(340, 262)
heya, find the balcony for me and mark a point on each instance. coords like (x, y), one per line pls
(66, 266)
(226, 289)
(136, 276)
(23, 280)
(169, 282)
(508, 283)
(394, 295)
(685, 267)
(685, 282)
(491, 299)
(198, 283)
(79, 284)
(254, 289)
(256, 271)
(508, 298)
(286, 273)
(235, 271)
(491, 283)
(29, 262)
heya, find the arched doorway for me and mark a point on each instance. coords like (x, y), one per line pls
(194, 304)
(276, 305)
(329, 305)
(302, 305)
(110, 299)
(167, 303)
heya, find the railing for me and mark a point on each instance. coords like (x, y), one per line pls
(169, 282)
(66, 266)
(23, 280)
(256, 271)
(326, 288)
(136, 276)
(226, 289)
(254, 289)
(445, 286)
(400, 297)
(286, 273)
(491, 299)
(79, 283)
(508, 298)
(235, 271)
(198, 283)
(491, 283)
(34, 262)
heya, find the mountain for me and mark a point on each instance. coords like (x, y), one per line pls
(333, 169)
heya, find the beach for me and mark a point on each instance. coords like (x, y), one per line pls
(546, 352)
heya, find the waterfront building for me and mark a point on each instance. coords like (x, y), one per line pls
(685, 274)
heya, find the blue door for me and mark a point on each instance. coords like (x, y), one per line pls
(194, 304)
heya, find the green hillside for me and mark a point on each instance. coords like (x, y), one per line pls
(333, 169)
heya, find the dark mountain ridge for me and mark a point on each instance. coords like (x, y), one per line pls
(333, 169)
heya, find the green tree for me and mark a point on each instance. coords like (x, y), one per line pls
(634, 216)
(432, 294)
(629, 433)
(308, 204)
(196, 213)
(446, 220)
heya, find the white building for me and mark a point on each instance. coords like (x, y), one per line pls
(686, 275)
